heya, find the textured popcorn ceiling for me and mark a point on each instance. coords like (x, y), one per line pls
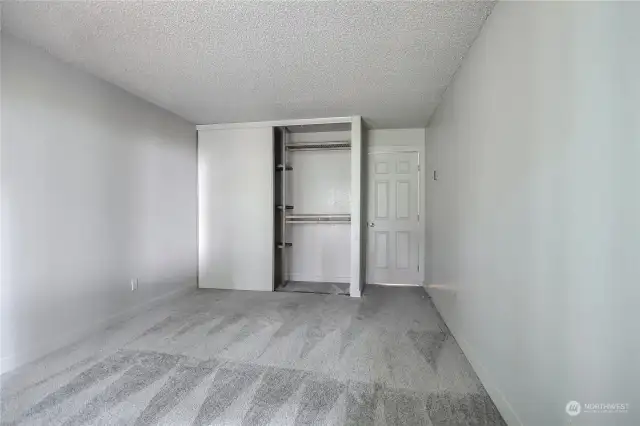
(217, 62)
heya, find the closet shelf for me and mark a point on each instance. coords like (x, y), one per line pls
(338, 145)
(318, 218)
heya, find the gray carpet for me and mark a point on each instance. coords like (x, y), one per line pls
(218, 357)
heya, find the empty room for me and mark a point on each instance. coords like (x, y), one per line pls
(319, 213)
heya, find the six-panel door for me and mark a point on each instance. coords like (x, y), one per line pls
(393, 218)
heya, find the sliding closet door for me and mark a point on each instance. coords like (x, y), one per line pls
(236, 209)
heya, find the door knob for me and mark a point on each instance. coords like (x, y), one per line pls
(371, 224)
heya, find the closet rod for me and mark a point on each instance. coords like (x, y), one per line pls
(318, 218)
(319, 215)
(336, 146)
(318, 222)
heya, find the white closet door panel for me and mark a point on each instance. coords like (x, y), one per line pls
(358, 209)
(236, 208)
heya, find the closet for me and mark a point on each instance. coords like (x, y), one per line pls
(313, 208)
(280, 206)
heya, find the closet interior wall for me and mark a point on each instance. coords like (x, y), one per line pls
(313, 209)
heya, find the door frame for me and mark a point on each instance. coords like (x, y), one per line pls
(421, 205)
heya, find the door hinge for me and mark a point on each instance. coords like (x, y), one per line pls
(418, 268)
(418, 167)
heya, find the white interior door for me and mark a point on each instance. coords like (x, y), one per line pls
(393, 255)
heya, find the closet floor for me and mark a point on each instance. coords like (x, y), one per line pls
(315, 287)
(224, 357)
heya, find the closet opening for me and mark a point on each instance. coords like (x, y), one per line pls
(312, 184)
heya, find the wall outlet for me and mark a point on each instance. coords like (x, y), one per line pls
(134, 284)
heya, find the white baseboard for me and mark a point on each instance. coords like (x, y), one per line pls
(15, 361)
(502, 403)
(499, 398)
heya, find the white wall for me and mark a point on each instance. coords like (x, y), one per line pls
(98, 187)
(320, 183)
(396, 137)
(534, 222)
